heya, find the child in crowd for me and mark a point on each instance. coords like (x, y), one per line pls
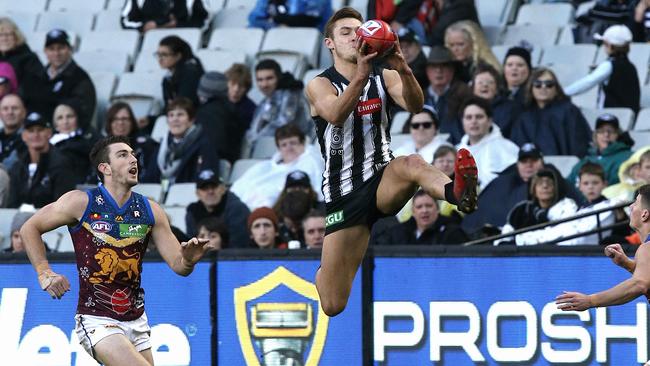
(215, 230)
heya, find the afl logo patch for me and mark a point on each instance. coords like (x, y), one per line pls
(101, 226)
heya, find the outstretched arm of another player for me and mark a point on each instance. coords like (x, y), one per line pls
(67, 210)
(181, 257)
(402, 85)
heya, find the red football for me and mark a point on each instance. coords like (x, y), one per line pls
(378, 36)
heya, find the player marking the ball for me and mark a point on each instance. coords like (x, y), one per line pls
(350, 103)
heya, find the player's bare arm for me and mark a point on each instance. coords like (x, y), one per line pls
(181, 257)
(67, 210)
(618, 256)
(402, 85)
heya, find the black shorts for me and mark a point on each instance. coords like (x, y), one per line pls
(358, 207)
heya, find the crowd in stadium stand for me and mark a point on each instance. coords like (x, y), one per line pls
(511, 113)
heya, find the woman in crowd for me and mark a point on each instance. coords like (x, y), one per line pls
(466, 41)
(489, 85)
(517, 67)
(25, 62)
(184, 69)
(423, 128)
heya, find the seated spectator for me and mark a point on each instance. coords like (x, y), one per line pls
(298, 181)
(467, 43)
(451, 11)
(493, 152)
(424, 141)
(240, 82)
(71, 140)
(517, 67)
(411, 45)
(283, 103)
(145, 15)
(5, 186)
(63, 81)
(616, 77)
(12, 115)
(263, 227)
(215, 231)
(268, 14)
(642, 17)
(218, 116)
(313, 229)
(120, 121)
(215, 200)
(550, 120)
(293, 210)
(444, 159)
(17, 222)
(42, 173)
(489, 85)
(14, 49)
(185, 150)
(446, 92)
(611, 147)
(262, 183)
(632, 174)
(184, 70)
(425, 227)
(8, 80)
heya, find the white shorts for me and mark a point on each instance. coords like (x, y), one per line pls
(91, 329)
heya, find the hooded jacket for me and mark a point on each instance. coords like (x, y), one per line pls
(610, 159)
(627, 185)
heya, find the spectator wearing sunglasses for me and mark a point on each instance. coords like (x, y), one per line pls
(550, 120)
(492, 151)
(423, 128)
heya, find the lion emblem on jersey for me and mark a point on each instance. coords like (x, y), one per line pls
(112, 265)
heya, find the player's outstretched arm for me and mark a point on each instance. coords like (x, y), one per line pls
(181, 257)
(618, 256)
(402, 85)
(67, 210)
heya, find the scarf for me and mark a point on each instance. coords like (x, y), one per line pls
(170, 153)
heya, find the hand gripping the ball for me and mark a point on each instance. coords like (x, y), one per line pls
(55, 284)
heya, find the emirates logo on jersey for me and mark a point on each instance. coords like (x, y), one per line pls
(369, 106)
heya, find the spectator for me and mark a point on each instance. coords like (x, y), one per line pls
(445, 92)
(185, 150)
(239, 84)
(616, 77)
(215, 231)
(425, 227)
(611, 147)
(517, 67)
(424, 141)
(467, 43)
(120, 121)
(283, 103)
(293, 210)
(5, 186)
(444, 159)
(25, 62)
(8, 80)
(313, 229)
(451, 11)
(12, 114)
(41, 174)
(492, 151)
(550, 120)
(145, 15)
(268, 14)
(411, 45)
(215, 200)
(218, 117)
(632, 174)
(184, 70)
(642, 17)
(261, 184)
(263, 227)
(16, 240)
(489, 85)
(298, 181)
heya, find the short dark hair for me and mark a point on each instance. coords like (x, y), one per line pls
(287, 131)
(184, 104)
(644, 191)
(529, 99)
(484, 67)
(593, 169)
(240, 74)
(100, 151)
(295, 206)
(269, 64)
(427, 110)
(177, 45)
(420, 193)
(345, 12)
(479, 102)
(214, 224)
(113, 111)
(444, 150)
(314, 212)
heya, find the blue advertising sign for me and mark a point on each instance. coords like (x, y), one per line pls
(38, 330)
(268, 311)
(467, 311)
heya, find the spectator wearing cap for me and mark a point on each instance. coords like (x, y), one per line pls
(219, 117)
(215, 200)
(467, 43)
(493, 152)
(550, 119)
(298, 181)
(12, 115)
(63, 81)
(445, 92)
(616, 77)
(14, 49)
(488, 84)
(145, 15)
(263, 227)
(240, 82)
(8, 80)
(517, 67)
(610, 148)
(41, 173)
(423, 128)
(411, 45)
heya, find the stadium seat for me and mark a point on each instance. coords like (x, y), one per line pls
(65, 244)
(564, 163)
(536, 34)
(361, 6)
(109, 20)
(303, 40)
(248, 40)
(588, 99)
(492, 12)
(25, 21)
(558, 14)
(568, 73)
(99, 61)
(143, 92)
(220, 60)
(231, 17)
(232, 4)
(641, 139)
(264, 148)
(399, 139)
(625, 116)
(225, 167)
(36, 41)
(52, 239)
(643, 120)
(240, 167)
(181, 194)
(146, 62)
(645, 96)
(566, 36)
(215, 5)
(150, 190)
(152, 38)
(91, 6)
(104, 86)
(501, 51)
(580, 56)
(77, 21)
(492, 33)
(6, 216)
(310, 74)
(111, 40)
(160, 128)
(27, 6)
(176, 216)
(399, 119)
(293, 62)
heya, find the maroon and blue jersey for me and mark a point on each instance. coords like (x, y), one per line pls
(110, 243)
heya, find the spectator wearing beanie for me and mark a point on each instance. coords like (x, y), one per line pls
(263, 227)
(8, 80)
(20, 218)
(516, 70)
(218, 116)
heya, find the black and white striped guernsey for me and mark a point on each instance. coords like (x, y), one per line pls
(356, 151)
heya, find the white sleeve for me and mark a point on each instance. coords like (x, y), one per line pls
(594, 78)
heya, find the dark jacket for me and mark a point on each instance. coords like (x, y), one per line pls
(443, 231)
(231, 209)
(419, 67)
(184, 81)
(51, 180)
(246, 109)
(9, 143)
(223, 127)
(136, 13)
(610, 159)
(25, 63)
(557, 129)
(505, 112)
(622, 89)
(448, 106)
(452, 11)
(146, 149)
(77, 149)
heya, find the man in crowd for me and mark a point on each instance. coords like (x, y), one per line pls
(313, 229)
(12, 114)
